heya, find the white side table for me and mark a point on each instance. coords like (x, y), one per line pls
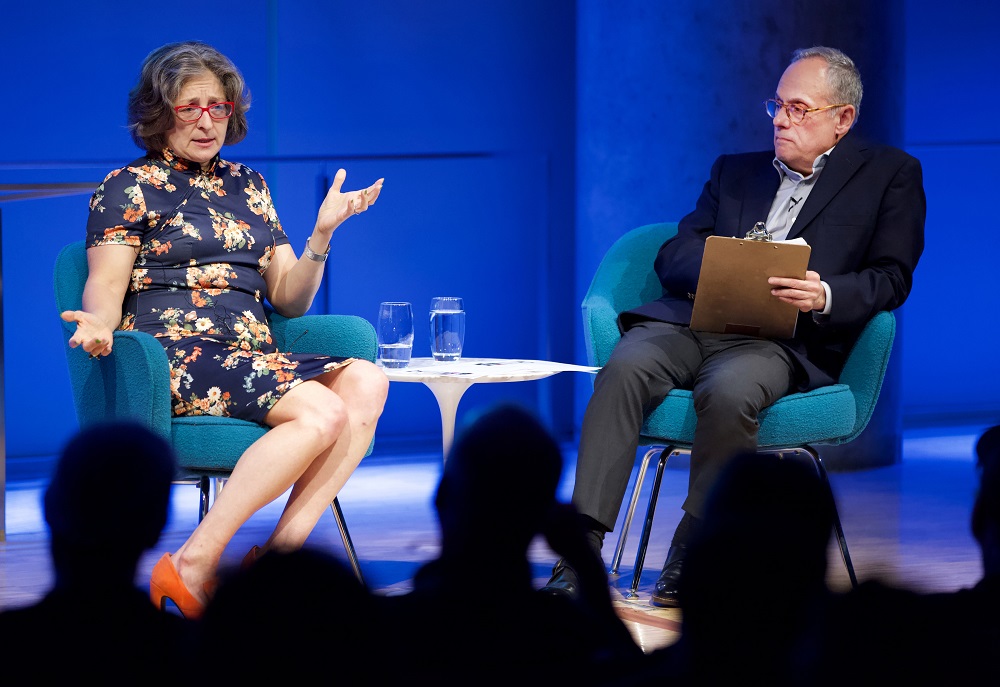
(448, 381)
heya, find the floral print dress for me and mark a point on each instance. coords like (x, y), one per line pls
(204, 240)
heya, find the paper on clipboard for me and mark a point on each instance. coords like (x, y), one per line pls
(733, 296)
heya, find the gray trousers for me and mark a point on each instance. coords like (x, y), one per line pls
(732, 378)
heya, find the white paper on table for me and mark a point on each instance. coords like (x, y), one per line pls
(491, 368)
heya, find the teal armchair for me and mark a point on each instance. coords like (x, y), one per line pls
(834, 414)
(133, 383)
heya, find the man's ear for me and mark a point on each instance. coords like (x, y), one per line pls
(845, 119)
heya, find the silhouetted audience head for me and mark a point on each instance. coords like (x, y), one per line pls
(499, 481)
(755, 576)
(107, 502)
(893, 634)
(986, 509)
(108, 499)
(292, 614)
(770, 512)
(474, 616)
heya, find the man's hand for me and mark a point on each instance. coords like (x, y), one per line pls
(805, 294)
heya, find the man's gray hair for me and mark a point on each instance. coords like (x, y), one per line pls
(842, 75)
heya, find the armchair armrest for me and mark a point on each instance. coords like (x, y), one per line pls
(132, 383)
(624, 280)
(600, 329)
(866, 364)
(347, 336)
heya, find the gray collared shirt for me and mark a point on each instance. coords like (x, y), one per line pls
(788, 202)
(791, 196)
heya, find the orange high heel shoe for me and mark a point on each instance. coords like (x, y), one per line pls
(165, 584)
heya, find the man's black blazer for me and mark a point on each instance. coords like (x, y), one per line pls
(864, 220)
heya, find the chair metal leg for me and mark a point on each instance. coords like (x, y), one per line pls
(623, 535)
(841, 539)
(217, 484)
(352, 555)
(203, 502)
(821, 468)
(665, 453)
(647, 525)
(210, 487)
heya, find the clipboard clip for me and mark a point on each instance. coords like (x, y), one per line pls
(758, 233)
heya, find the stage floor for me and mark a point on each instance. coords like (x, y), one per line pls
(907, 524)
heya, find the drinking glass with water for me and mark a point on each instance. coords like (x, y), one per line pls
(395, 334)
(447, 327)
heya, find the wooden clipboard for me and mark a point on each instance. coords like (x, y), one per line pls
(733, 295)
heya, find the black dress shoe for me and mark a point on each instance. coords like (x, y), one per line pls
(665, 590)
(564, 581)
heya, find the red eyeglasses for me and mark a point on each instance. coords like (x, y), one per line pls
(192, 113)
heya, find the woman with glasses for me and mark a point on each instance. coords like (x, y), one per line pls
(187, 246)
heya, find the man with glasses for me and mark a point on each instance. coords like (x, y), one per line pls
(860, 207)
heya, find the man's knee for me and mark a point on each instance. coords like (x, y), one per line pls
(735, 393)
(623, 373)
(724, 402)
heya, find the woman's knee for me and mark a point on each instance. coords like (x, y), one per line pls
(318, 413)
(364, 387)
(327, 416)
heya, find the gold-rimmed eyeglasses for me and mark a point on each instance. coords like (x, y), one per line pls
(795, 113)
(192, 113)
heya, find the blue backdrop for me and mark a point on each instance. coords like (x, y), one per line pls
(518, 139)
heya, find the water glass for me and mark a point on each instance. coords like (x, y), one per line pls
(395, 334)
(447, 327)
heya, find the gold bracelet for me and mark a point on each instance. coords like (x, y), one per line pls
(313, 255)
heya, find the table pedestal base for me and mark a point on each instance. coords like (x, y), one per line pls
(448, 394)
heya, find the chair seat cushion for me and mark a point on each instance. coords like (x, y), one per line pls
(206, 443)
(824, 415)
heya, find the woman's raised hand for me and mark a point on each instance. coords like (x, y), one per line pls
(339, 205)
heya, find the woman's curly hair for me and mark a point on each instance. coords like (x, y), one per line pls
(164, 73)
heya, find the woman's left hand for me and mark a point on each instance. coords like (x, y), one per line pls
(338, 206)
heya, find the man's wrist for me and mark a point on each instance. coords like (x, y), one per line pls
(829, 300)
